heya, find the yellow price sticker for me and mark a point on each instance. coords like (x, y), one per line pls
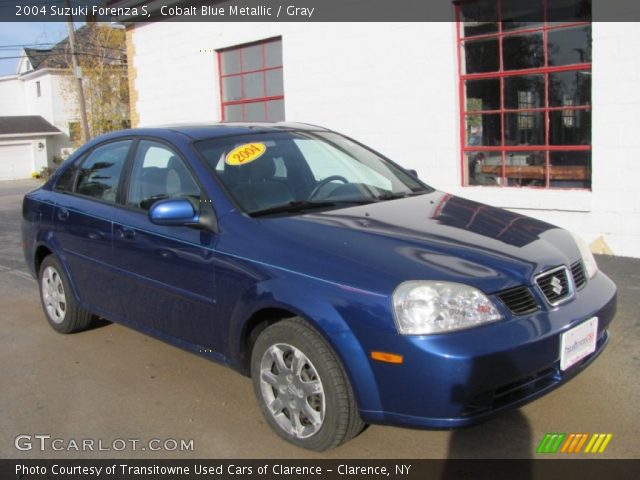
(245, 153)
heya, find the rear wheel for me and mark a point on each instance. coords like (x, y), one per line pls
(302, 388)
(60, 308)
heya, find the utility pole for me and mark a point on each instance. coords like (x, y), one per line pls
(77, 73)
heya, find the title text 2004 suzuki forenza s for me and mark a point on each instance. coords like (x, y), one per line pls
(348, 289)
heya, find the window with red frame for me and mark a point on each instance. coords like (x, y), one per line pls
(525, 92)
(251, 86)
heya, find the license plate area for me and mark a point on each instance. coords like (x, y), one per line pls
(578, 343)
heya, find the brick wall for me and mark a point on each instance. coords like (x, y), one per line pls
(132, 75)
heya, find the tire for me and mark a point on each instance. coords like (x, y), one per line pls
(58, 303)
(327, 415)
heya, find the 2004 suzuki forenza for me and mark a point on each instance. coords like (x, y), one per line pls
(349, 290)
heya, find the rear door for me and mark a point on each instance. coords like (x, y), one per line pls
(168, 272)
(85, 204)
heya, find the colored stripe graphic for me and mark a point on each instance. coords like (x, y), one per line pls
(550, 443)
(598, 443)
(572, 443)
(581, 443)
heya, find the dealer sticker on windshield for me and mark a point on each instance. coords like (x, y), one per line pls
(578, 342)
(245, 153)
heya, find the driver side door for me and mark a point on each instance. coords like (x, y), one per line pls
(168, 270)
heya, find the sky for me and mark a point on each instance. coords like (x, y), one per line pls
(26, 34)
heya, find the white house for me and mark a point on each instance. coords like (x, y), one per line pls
(43, 90)
(26, 143)
(538, 118)
(36, 95)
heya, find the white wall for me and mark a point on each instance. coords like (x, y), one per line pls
(42, 105)
(354, 80)
(12, 101)
(395, 87)
(57, 104)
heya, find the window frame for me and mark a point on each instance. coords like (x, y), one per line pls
(244, 101)
(546, 109)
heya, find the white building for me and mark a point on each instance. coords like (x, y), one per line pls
(504, 118)
(38, 94)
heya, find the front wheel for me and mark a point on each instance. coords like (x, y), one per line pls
(302, 388)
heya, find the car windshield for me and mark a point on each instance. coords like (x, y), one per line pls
(294, 171)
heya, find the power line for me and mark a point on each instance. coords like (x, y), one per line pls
(87, 54)
(29, 45)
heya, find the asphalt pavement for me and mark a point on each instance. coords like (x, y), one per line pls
(116, 387)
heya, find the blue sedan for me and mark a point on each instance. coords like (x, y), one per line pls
(348, 290)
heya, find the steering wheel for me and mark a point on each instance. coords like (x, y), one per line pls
(324, 182)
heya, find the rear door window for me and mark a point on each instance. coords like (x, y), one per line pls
(99, 175)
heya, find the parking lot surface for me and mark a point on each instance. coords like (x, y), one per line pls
(112, 383)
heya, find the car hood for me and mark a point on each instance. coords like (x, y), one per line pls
(435, 236)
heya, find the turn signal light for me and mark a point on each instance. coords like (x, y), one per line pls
(387, 357)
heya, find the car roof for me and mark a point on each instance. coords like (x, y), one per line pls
(201, 131)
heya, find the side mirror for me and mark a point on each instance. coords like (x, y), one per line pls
(173, 212)
(412, 172)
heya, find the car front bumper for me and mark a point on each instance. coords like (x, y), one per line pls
(462, 378)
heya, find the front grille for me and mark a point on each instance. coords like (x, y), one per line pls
(511, 393)
(579, 277)
(524, 387)
(518, 300)
(555, 285)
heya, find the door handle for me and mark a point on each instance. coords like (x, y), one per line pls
(126, 233)
(63, 214)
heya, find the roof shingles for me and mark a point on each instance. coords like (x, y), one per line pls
(59, 56)
(25, 124)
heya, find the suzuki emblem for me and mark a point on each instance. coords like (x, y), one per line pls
(557, 285)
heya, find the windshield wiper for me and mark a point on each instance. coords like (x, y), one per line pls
(296, 206)
(394, 196)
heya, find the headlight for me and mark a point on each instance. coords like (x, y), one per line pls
(590, 264)
(424, 307)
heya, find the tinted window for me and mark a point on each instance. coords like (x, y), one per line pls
(571, 45)
(482, 56)
(158, 173)
(523, 51)
(524, 92)
(65, 180)
(479, 17)
(100, 173)
(483, 94)
(570, 88)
